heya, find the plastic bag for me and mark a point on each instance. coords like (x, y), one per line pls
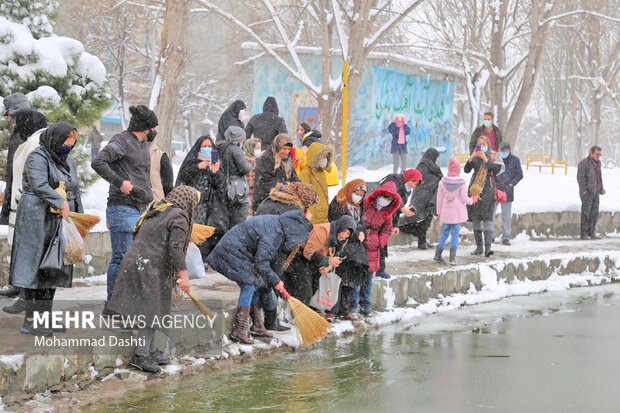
(193, 261)
(326, 296)
(72, 242)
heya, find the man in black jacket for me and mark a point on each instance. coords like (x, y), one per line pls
(267, 125)
(590, 179)
(125, 163)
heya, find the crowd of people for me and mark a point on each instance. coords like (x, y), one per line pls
(266, 194)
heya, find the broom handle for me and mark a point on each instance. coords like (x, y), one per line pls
(285, 294)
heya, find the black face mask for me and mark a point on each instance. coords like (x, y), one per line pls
(150, 135)
(64, 151)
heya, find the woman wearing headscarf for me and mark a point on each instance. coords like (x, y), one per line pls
(399, 131)
(252, 149)
(36, 226)
(151, 269)
(232, 116)
(325, 250)
(482, 183)
(354, 271)
(423, 198)
(198, 172)
(273, 167)
(319, 160)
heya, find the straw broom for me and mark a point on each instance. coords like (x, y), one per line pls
(83, 222)
(311, 325)
(200, 233)
(203, 308)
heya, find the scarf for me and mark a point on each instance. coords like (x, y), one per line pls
(401, 129)
(278, 142)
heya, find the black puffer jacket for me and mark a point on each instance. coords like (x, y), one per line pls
(229, 118)
(424, 196)
(267, 125)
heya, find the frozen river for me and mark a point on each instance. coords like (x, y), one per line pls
(553, 352)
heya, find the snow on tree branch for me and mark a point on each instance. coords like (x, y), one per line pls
(369, 42)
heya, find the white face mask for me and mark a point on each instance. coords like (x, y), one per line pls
(242, 113)
(356, 198)
(323, 163)
(383, 201)
(257, 153)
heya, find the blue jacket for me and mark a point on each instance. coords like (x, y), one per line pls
(245, 253)
(393, 129)
(512, 175)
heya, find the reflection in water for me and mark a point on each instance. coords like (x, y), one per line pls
(497, 356)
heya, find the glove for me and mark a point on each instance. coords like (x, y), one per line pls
(475, 198)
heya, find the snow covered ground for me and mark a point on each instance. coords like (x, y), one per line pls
(538, 192)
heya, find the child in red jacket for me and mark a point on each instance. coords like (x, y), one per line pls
(381, 205)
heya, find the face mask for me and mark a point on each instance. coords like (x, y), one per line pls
(484, 149)
(242, 115)
(206, 152)
(504, 155)
(383, 201)
(356, 198)
(257, 153)
(323, 163)
(150, 135)
(64, 151)
(487, 123)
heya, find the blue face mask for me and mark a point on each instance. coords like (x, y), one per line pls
(504, 155)
(64, 151)
(206, 152)
(487, 123)
(484, 149)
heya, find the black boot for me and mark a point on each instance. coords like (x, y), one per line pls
(488, 243)
(272, 323)
(144, 363)
(438, 258)
(478, 237)
(452, 256)
(422, 244)
(10, 292)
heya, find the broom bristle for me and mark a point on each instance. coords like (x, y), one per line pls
(84, 222)
(311, 325)
(200, 233)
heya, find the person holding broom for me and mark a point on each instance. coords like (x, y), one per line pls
(244, 255)
(151, 268)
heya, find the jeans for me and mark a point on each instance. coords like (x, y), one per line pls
(365, 291)
(451, 230)
(589, 214)
(121, 220)
(402, 156)
(506, 220)
(248, 296)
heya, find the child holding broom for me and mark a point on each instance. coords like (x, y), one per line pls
(244, 255)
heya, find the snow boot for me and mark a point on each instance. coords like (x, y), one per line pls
(272, 323)
(478, 238)
(240, 326)
(160, 358)
(452, 256)
(144, 363)
(438, 258)
(488, 243)
(258, 322)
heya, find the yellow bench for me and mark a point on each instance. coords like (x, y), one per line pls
(462, 158)
(544, 161)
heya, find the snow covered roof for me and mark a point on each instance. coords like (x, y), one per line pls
(423, 65)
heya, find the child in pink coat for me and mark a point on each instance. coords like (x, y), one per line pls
(451, 209)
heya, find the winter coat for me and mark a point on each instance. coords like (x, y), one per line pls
(478, 132)
(267, 125)
(452, 200)
(354, 269)
(266, 178)
(126, 158)
(245, 253)
(35, 224)
(316, 176)
(512, 175)
(144, 283)
(394, 183)
(424, 195)
(484, 209)
(229, 118)
(587, 171)
(378, 224)
(212, 188)
(307, 140)
(396, 147)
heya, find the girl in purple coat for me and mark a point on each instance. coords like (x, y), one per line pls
(451, 209)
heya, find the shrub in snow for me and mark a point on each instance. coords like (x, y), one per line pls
(55, 73)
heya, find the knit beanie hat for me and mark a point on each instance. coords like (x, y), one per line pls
(454, 168)
(504, 146)
(15, 102)
(234, 134)
(142, 118)
(412, 175)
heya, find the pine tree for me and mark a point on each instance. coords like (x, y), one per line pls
(59, 78)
